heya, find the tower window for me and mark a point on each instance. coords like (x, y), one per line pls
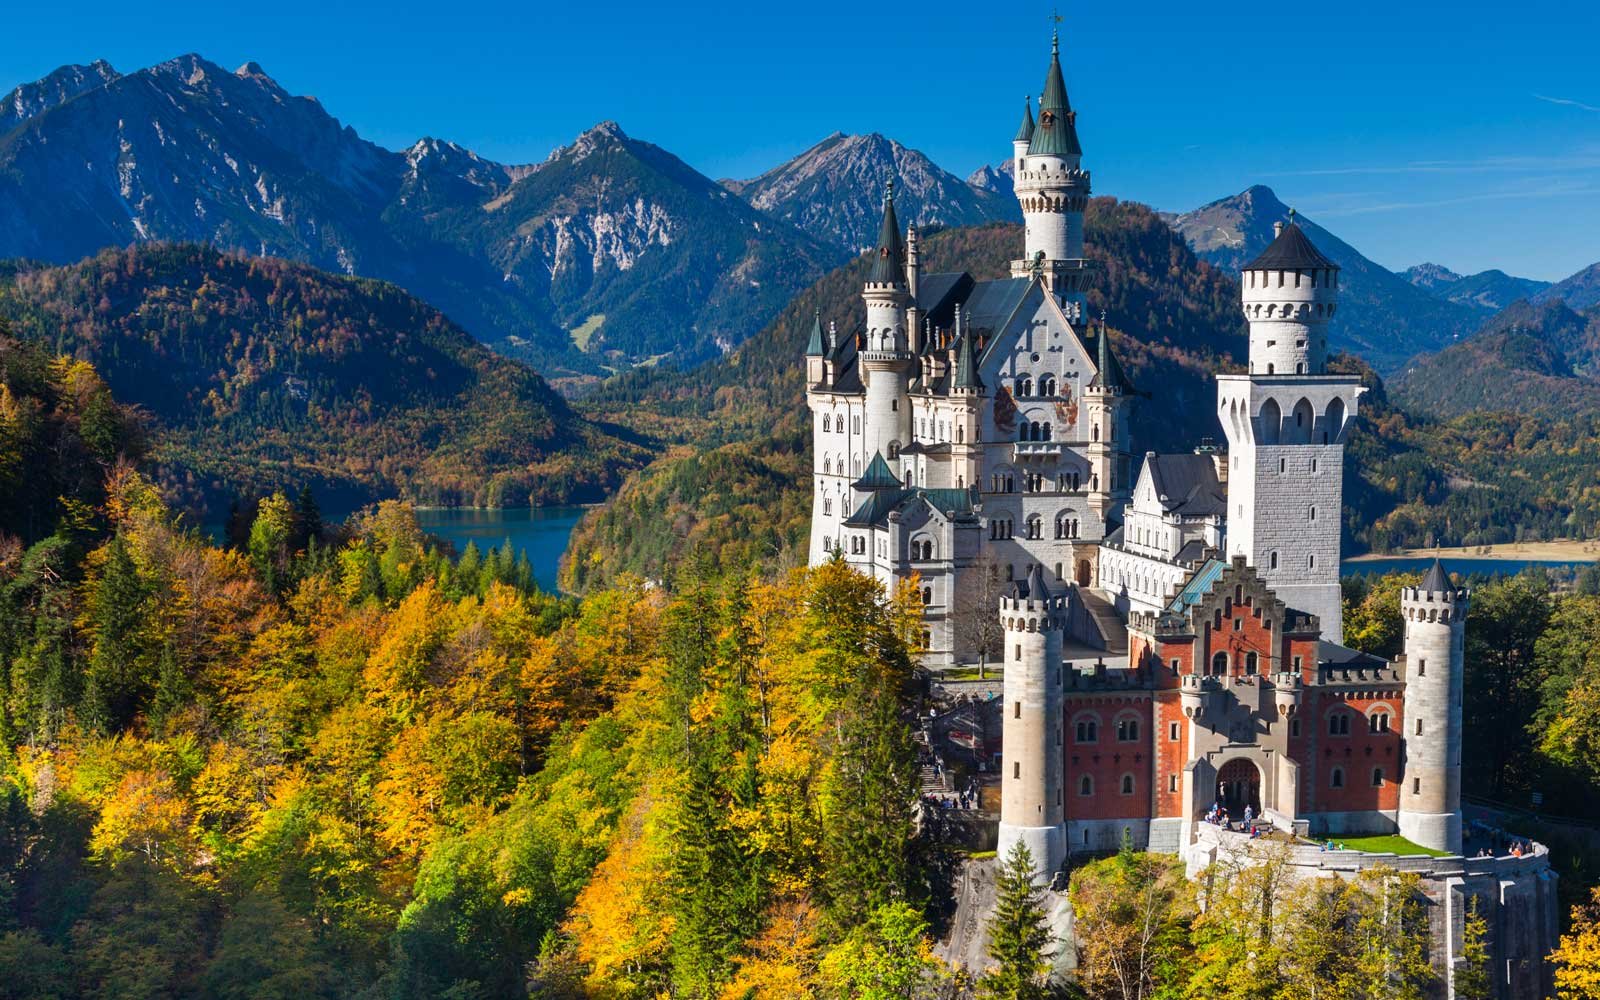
(1377, 777)
(1339, 724)
(1127, 784)
(1219, 664)
(1378, 722)
(1250, 663)
(1172, 783)
(1273, 560)
(1416, 786)
(1336, 779)
(1019, 652)
(1016, 769)
(1172, 731)
(1016, 710)
(1294, 727)
(1422, 668)
(1086, 731)
(1127, 730)
(1086, 787)
(1419, 727)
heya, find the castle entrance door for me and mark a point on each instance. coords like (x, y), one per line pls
(1083, 572)
(1239, 785)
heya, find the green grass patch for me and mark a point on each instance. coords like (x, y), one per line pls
(971, 674)
(980, 855)
(1389, 844)
(581, 335)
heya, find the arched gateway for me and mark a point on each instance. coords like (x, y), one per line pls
(1239, 785)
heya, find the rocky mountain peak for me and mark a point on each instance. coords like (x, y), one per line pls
(60, 86)
(1429, 275)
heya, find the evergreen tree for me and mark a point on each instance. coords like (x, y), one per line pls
(1018, 937)
(307, 519)
(117, 669)
(1471, 975)
(867, 835)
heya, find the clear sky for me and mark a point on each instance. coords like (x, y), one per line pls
(1465, 133)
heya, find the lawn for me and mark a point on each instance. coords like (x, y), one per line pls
(1389, 844)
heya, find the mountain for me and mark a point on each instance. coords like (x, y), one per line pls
(1541, 359)
(61, 86)
(1491, 290)
(999, 180)
(1382, 316)
(834, 191)
(1580, 291)
(258, 373)
(533, 260)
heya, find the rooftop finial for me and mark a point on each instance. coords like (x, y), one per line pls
(891, 189)
(1055, 32)
(1291, 216)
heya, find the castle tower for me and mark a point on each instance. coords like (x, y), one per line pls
(1286, 423)
(1032, 761)
(1435, 614)
(1054, 191)
(1110, 479)
(886, 359)
(968, 392)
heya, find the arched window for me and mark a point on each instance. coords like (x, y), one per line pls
(1127, 784)
(1339, 724)
(1047, 385)
(894, 449)
(1378, 722)
(1250, 663)
(1377, 777)
(1273, 560)
(1127, 730)
(1336, 779)
(1035, 526)
(927, 595)
(1086, 731)
(1219, 664)
(1086, 787)
(827, 423)
(1047, 432)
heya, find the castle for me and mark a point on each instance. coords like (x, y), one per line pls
(1170, 641)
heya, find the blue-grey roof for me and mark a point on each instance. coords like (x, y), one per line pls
(878, 476)
(1025, 130)
(938, 293)
(1198, 587)
(875, 510)
(1437, 580)
(1187, 484)
(815, 346)
(1056, 134)
(1290, 251)
(888, 265)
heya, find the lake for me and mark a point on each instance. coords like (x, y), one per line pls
(1467, 567)
(541, 532)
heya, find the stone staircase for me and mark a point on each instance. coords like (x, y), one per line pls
(933, 783)
(1113, 631)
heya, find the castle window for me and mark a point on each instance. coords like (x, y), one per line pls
(1250, 664)
(1035, 527)
(894, 406)
(1297, 661)
(1416, 786)
(1238, 624)
(1377, 777)
(1339, 724)
(1016, 769)
(827, 423)
(1019, 652)
(1378, 722)
(1016, 710)
(1311, 562)
(1219, 664)
(1086, 787)
(1336, 779)
(927, 596)
(1058, 571)
(1273, 560)
(1172, 727)
(827, 507)
(1419, 727)
(894, 449)
(1312, 512)
(1127, 730)
(1294, 727)
(1422, 668)
(1175, 673)
(1086, 731)
(1283, 465)
(1127, 784)
(1172, 782)
(1314, 462)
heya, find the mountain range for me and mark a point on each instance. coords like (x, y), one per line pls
(1493, 289)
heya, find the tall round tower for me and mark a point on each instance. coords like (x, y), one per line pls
(1435, 614)
(1290, 294)
(886, 358)
(1053, 190)
(1032, 758)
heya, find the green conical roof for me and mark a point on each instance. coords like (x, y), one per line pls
(878, 476)
(888, 266)
(1057, 131)
(967, 363)
(1025, 130)
(1109, 375)
(815, 347)
(1436, 580)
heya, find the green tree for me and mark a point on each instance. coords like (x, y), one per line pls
(264, 952)
(1019, 939)
(270, 535)
(886, 957)
(118, 674)
(1504, 680)
(1470, 978)
(1132, 914)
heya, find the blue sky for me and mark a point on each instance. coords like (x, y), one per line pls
(1465, 133)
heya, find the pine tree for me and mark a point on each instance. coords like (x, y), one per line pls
(116, 676)
(1018, 937)
(1471, 976)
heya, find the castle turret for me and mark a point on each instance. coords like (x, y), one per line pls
(1286, 423)
(1053, 190)
(1110, 461)
(1019, 145)
(886, 360)
(1290, 293)
(1435, 615)
(816, 351)
(1031, 806)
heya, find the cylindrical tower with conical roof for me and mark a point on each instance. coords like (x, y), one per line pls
(886, 358)
(1435, 613)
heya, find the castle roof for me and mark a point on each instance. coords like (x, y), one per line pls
(816, 346)
(1187, 484)
(1057, 131)
(1292, 250)
(1107, 364)
(875, 510)
(878, 476)
(1025, 130)
(1034, 586)
(1436, 579)
(888, 267)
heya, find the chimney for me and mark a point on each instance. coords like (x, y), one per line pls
(1220, 460)
(1277, 229)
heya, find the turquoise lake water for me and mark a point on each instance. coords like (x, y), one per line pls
(541, 532)
(1468, 567)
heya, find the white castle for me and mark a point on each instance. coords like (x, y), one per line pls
(1170, 641)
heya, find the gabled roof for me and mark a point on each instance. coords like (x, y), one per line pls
(1057, 131)
(1437, 580)
(1290, 251)
(1187, 484)
(1033, 587)
(878, 476)
(888, 265)
(875, 510)
(1025, 130)
(938, 293)
(1198, 587)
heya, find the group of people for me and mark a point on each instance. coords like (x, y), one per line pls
(1217, 815)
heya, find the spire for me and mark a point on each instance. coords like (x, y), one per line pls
(1037, 588)
(1109, 375)
(817, 346)
(1291, 249)
(1025, 130)
(1437, 579)
(967, 361)
(1057, 131)
(878, 476)
(887, 268)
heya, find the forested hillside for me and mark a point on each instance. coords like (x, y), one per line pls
(257, 373)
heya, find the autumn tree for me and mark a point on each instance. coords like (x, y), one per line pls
(1469, 980)
(1132, 914)
(1577, 957)
(887, 957)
